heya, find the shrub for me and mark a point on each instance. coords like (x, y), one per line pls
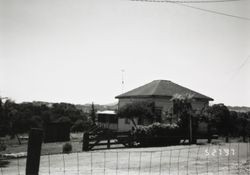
(2, 146)
(157, 134)
(67, 148)
(80, 126)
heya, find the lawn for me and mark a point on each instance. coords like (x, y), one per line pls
(181, 159)
(53, 148)
(215, 158)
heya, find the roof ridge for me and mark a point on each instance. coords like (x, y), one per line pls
(161, 88)
(156, 87)
(193, 91)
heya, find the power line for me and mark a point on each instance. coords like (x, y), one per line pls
(216, 12)
(183, 3)
(240, 67)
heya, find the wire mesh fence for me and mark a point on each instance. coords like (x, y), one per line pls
(224, 158)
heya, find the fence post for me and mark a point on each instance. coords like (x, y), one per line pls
(209, 139)
(244, 133)
(227, 138)
(209, 134)
(85, 144)
(190, 130)
(130, 140)
(34, 151)
(109, 136)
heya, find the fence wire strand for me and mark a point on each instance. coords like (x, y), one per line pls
(226, 158)
(117, 163)
(170, 158)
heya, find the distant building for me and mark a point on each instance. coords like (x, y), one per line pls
(107, 119)
(160, 92)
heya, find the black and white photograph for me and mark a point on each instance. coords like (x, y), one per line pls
(124, 87)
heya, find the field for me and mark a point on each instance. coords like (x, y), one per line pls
(215, 158)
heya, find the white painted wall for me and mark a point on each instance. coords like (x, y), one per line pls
(162, 102)
(123, 126)
(113, 126)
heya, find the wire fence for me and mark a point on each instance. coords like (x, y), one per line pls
(224, 158)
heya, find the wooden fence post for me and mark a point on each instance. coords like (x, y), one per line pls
(227, 138)
(85, 144)
(109, 136)
(130, 140)
(190, 130)
(34, 151)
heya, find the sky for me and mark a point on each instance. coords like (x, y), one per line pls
(75, 50)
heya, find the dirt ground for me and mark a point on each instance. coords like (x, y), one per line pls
(221, 158)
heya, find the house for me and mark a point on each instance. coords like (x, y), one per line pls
(160, 93)
(107, 119)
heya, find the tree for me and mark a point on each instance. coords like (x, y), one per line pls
(80, 125)
(143, 111)
(220, 118)
(93, 113)
(182, 109)
(9, 115)
(233, 129)
(36, 122)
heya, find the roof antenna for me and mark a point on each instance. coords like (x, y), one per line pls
(123, 70)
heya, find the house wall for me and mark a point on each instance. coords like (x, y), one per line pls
(162, 103)
(112, 126)
(125, 125)
(124, 101)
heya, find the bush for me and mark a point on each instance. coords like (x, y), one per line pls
(2, 146)
(80, 126)
(67, 148)
(157, 134)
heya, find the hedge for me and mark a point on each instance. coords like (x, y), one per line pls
(157, 134)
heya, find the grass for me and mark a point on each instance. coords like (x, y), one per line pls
(76, 141)
(181, 159)
(53, 148)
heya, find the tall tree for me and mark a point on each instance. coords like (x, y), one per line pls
(143, 111)
(220, 118)
(93, 113)
(182, 109)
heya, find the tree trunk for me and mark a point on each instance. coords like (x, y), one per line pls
(132, 119)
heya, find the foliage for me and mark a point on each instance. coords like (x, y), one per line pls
(182, 110)
(80, 126)
(36, 122)
(239, 123)
(226, 122)
(93, 114)
(157, 134)
(143, 111)
(182, 104)
(67, 148)
(8, 116)
(218, 116)
(2, 146)
(19, 118)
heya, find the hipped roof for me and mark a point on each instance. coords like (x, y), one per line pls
(161, 88)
